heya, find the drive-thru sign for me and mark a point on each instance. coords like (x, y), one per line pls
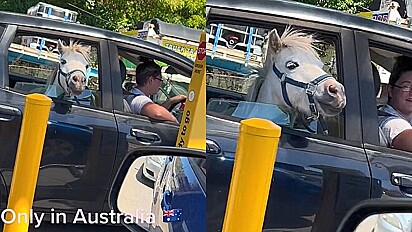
(192, 132)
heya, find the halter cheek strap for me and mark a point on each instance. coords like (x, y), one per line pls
(310, 89)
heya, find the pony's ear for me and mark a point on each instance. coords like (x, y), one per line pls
(274, 41)
(60, 46)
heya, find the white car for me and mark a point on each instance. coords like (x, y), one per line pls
(152, 165)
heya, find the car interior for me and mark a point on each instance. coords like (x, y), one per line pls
(382, 63)
(175, 82)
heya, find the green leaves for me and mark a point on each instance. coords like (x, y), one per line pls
(119, 15)
(350, 6)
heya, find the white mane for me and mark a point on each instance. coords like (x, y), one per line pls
(77, 47)
(299, 40)
(296, 39)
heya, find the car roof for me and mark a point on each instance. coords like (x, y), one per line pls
(76, 28)
(306, 12)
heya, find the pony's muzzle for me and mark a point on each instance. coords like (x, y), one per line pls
(77, 83)
(78, 78)
(332, 99)
(332, 89)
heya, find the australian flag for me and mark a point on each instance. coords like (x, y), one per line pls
(172, 215)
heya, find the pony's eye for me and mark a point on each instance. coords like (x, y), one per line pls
(292, 65)
(87, 66)
(63, 62)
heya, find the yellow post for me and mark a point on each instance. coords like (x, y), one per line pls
(26, 166)
(192, 132)
(252, 174)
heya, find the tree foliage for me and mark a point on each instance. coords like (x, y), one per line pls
(350, 6)
(124, 14)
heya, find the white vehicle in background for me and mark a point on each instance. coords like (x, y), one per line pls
(39, 43)
(46, 10)
(152, 166)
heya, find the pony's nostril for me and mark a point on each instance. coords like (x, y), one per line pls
(75, 78)
(333, 89)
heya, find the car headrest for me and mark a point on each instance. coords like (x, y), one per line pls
(122, 71)
(376, 79)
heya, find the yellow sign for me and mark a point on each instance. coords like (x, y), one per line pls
(182, 48)
(192, 132)
(367, 14)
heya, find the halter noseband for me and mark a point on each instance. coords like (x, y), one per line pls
(310, 89)
(67, 76)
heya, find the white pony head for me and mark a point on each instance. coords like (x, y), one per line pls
(73, 64)
(294, 79)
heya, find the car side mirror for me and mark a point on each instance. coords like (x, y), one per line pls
(379, 215)
(141, 192)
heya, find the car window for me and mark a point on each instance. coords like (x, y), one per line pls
(174, 81)
(33, 63)
(383, 59)
(235, 59)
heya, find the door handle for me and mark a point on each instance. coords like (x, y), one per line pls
(145, 137)
(401, 180)
(7, 113)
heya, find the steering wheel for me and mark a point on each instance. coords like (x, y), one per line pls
(177, 110)
(176, 106)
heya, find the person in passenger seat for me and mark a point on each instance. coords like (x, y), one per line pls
(395, 118)
(148, 82)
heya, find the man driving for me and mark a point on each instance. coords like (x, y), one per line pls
(148, 82)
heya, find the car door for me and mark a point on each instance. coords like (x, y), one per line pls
(80, 144)
(136, 130)
(317, 178)
(179, 196)
(390, 167)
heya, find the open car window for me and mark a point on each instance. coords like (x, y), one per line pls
(33, 63)
(235, 58)
(173, 81)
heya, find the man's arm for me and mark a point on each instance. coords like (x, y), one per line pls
(155, 111)
(403, 141)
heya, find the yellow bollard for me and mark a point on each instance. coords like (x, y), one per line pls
(252, 174)
(26, 166)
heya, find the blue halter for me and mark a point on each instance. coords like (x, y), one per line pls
(309, 88)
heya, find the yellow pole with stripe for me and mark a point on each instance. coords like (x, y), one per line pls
(192, 131)
(26, 166)
(252, 174)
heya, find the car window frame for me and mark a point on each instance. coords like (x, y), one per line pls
(345, 52)
(197, 170)
(146, 51)
(6, 39)
(368, 101)
(104, 84)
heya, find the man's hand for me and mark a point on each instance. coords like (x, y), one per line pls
(173, 100)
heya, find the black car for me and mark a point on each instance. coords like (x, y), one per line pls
(87, 139)
(317, 178)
